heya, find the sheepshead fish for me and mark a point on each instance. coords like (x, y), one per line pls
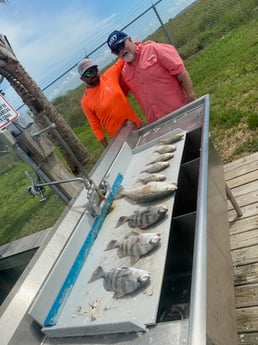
(172, 139)
(149, 192)
(156, 167)
(135, 245)
(122, 281)
(145, 178)
(162, 158)
(144, 218)
(165, 149)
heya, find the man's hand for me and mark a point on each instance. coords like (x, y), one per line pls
(104, 142)
(186, 82)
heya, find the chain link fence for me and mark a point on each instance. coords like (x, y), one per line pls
(187, 24)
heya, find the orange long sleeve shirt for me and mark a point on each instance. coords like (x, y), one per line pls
(105, 105)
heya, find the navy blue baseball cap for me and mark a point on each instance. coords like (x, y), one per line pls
(115, 38)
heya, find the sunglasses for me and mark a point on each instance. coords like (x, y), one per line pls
(89, 73)
(120, 46)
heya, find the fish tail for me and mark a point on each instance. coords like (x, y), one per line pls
(121, 220)
(134, 259)
(112, 244)
(119, 194)
(97, 274)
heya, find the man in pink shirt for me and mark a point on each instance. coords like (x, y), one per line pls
(154, 72)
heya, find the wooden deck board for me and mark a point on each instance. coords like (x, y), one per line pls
(246, 295)
(246, 199)
(248, 338)
(242, 178)
(244, 275)
(244, 239)
(243, 224)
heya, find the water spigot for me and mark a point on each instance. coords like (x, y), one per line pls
(95, 195)
(35, 189)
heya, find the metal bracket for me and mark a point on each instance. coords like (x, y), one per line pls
(233, 201)
(36, 135)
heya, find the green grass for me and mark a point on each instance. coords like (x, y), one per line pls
(20, 214)
(224, 65)
(227, 70)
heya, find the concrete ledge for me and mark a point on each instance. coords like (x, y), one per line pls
(24, 244)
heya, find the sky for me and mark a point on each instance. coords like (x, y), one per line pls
(50, 37)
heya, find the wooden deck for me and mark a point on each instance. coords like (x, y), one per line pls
(242, 178)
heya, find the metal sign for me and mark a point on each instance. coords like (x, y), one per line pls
(7, 112)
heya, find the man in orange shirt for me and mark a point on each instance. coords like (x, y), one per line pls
(104, 103)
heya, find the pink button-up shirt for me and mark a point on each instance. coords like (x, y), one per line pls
(153, 79)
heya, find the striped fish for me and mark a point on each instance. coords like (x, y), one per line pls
(135, 245)
(144, 218)
(156, 167)
(172, 139)
(162, 158)
(165, 149)
(122, 281)
(145, 178)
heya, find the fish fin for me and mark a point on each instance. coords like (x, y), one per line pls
(145, 226)
(131, 224)
(136, 212)
(147, 210)
(130, 200)
(98, 273)
(120, 253)
(121, 220)
(112, 244)
(118, 295)
(134, 233)
(119, 194)
(134, 259)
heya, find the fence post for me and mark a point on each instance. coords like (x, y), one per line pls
(162, 25)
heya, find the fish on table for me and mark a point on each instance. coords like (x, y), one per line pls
(144, 218)
(122, 281)
(165, 149)
(135, 245)
(162, 158)
(171, 139)
(149, 192)
(156, 167)
(147, 177)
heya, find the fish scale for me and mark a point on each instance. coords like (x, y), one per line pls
(121, 281)
(130, 248)
(144, 218)
(166, 149)
(135, 245)
(156, 167)
(149, 192)
(145, 178)
(162, 158)
(171, 139)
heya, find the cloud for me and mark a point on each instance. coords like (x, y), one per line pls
(50, 36)
(46, 42)
(49, 43)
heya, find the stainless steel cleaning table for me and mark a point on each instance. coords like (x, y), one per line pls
(190, 299)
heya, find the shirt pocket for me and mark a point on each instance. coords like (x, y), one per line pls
(150, 61)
